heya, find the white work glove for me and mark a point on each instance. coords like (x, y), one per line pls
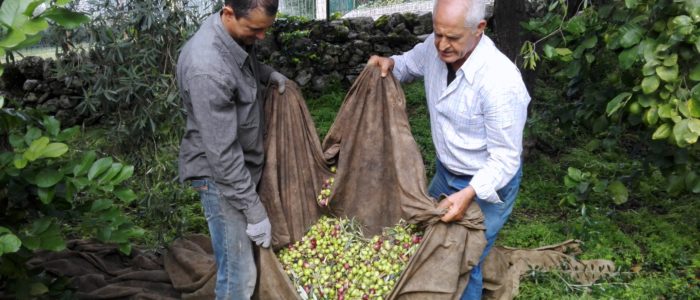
(280, 79)
(260, 233)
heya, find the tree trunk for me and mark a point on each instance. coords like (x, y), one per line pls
(507, 16)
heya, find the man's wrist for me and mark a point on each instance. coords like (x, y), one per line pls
(255, 213)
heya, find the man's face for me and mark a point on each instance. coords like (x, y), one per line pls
(246, 30)
(452, 39)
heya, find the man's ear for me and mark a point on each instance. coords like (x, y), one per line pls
(480, 27)
(227, 11)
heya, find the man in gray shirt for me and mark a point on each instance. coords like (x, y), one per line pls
(221, 154)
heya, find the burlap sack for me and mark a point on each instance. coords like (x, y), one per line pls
(380, 179)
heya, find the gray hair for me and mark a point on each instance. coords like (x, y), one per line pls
(476, 11)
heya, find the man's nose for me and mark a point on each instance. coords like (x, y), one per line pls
(260, 35)
(443, 45)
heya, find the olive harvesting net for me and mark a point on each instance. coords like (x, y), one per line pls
(345, 213)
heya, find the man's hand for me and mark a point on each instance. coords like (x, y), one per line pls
(260, 233)
(385, 64)
(459, 203)
(280, 80)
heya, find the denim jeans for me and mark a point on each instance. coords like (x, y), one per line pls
(495, 215)
(233, 250)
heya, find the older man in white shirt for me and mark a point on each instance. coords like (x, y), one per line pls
(478, 107)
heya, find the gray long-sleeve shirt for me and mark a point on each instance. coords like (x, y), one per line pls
(221, 90)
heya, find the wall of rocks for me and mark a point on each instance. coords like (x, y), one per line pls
(316, 53)
(312, 53)
(33, 82)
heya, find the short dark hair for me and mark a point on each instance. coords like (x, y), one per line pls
(241, 8)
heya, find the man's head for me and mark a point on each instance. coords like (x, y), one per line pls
(458, 26)
(247, 20)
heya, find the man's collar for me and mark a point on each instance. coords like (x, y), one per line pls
(476, 59)
(239, 54)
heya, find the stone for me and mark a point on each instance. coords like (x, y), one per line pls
(30, 85)
(31, 98)
(50, 105)
(303, 77)
(319, 83)
(43, 97)
(362, 24)
(32, 67)
(67, 102)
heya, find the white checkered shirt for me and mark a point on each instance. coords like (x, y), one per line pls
(477, 121)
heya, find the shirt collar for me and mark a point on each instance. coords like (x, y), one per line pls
(239, 54)
(477, 58)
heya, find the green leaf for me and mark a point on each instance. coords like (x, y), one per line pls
(694, 107)
(101, 204)
(569, 182)
(682, 25)
(124, 174)
(11, 10)
(100, 166)
(667, 74)
(666, 111)
(32, 134)
(66, 17)
(111, 173)
(80, 183)
(692, 182)
(575, 174)
(590, 42)
(37, 289)
(694, 73)
(649, 67)
(31, 242)
(53, 242)
(20, 162)
(694, 125)
(676, 184)
(125, 194)
(48, 178)
(85, 163)
(68, 133)
(54, 150)
(13, 38)
(631, 3)
(563, 51)
(52, 125)
(36, 148)
(650, 84)
(63, 2)
(671, 60)
(575, 25)
(664, 131)
(683, 135)
(627, 58)
(40, 226)
(619, 192)
(548, 51)
(9, 243)
(32, 7)
(617, 102)
(646, 101)
(45, 195)
(125, 248)
(35, 26)
(631, 35)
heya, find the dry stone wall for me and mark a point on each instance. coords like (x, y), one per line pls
(312, 53)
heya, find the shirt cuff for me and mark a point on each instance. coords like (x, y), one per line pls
(255, 213)
(485, 193)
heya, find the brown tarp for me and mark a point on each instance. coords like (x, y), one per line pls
(379, 180)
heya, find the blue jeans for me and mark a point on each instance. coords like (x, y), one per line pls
(233, 250)
(495, 215)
